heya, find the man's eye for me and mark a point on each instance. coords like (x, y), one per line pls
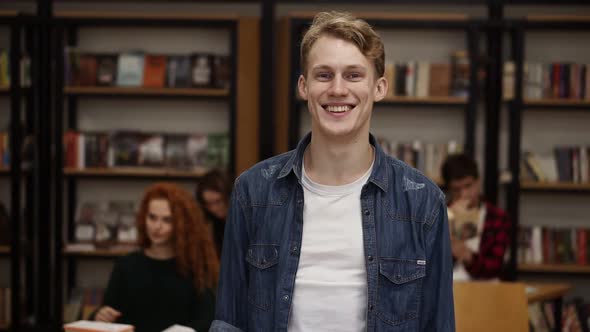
(324, 76)
(354, 76)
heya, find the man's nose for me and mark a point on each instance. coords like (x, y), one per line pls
(338, 87)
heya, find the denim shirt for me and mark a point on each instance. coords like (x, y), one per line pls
(406, 247)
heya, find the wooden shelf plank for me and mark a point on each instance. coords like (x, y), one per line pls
(565, 186)
(141, 91)
(4, 250)
(8, 13)
(557, 18)
(92, 15)
(427, 100)
(450, 17)
(554, 268)
(556, 102)
(138, 172)
(98, 253)
(4, 171)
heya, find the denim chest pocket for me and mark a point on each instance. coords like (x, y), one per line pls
(262, 259)
(399, 289)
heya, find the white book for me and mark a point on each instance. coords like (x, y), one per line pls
(92, 326)
(81, 151)
(423, 83)
(537, 245)
(179, 328)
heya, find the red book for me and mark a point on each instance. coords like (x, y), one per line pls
(154, 72)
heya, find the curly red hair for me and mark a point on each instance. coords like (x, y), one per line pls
(195, 253)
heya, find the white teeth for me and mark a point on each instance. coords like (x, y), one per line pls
(338, 109)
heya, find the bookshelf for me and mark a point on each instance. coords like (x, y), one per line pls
(561, 194)
(235, 108)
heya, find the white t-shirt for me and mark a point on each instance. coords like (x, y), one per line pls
(459, 271)
(331, 284)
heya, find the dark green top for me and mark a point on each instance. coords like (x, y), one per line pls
(152, 296)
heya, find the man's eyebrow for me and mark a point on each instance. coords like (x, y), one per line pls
(323, 67)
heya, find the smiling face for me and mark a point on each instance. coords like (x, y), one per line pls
(340, 86)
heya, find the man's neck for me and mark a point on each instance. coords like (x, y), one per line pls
(160, 252)
(337, 162)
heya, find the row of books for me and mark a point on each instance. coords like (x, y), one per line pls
(82, 303)
(425, 79)
(105, 224)
(549, 245)
(575, 316)
(4, 150)
(25, 69)
(193, 152)
(567, 164)
(5, 307)
(426, 157)
(549, 80)
(138, 69)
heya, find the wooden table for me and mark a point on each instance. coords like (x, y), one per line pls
(550, 292)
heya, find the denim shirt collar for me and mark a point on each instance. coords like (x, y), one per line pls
(379, 175)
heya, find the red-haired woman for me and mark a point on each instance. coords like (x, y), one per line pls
(171, 280)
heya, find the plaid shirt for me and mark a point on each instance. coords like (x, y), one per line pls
(495, 238)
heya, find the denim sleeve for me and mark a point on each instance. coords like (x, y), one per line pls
(438, 312)
(231, 305)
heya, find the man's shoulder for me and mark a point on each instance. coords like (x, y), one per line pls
(407, 178)
(267, 169)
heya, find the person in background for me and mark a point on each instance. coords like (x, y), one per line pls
(480, 231)
(172, 278)
(212, 194)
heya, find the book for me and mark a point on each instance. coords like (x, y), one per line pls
(130, 69)
(218, 150)
(154, 72)
(107, 69)
(151, 151)
(124, 147)
(460, 74)
(179, 328)
(440, 79)
(202, 70)
(222, 71)
(175, 151)
(183, 76)
(93, 326)
(88, 68)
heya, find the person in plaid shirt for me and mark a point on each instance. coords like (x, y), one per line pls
(480, 231)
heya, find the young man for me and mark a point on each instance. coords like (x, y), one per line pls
(480, 231)
(336, 235)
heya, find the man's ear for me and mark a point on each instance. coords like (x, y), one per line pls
(381, 87)
(302, 87)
